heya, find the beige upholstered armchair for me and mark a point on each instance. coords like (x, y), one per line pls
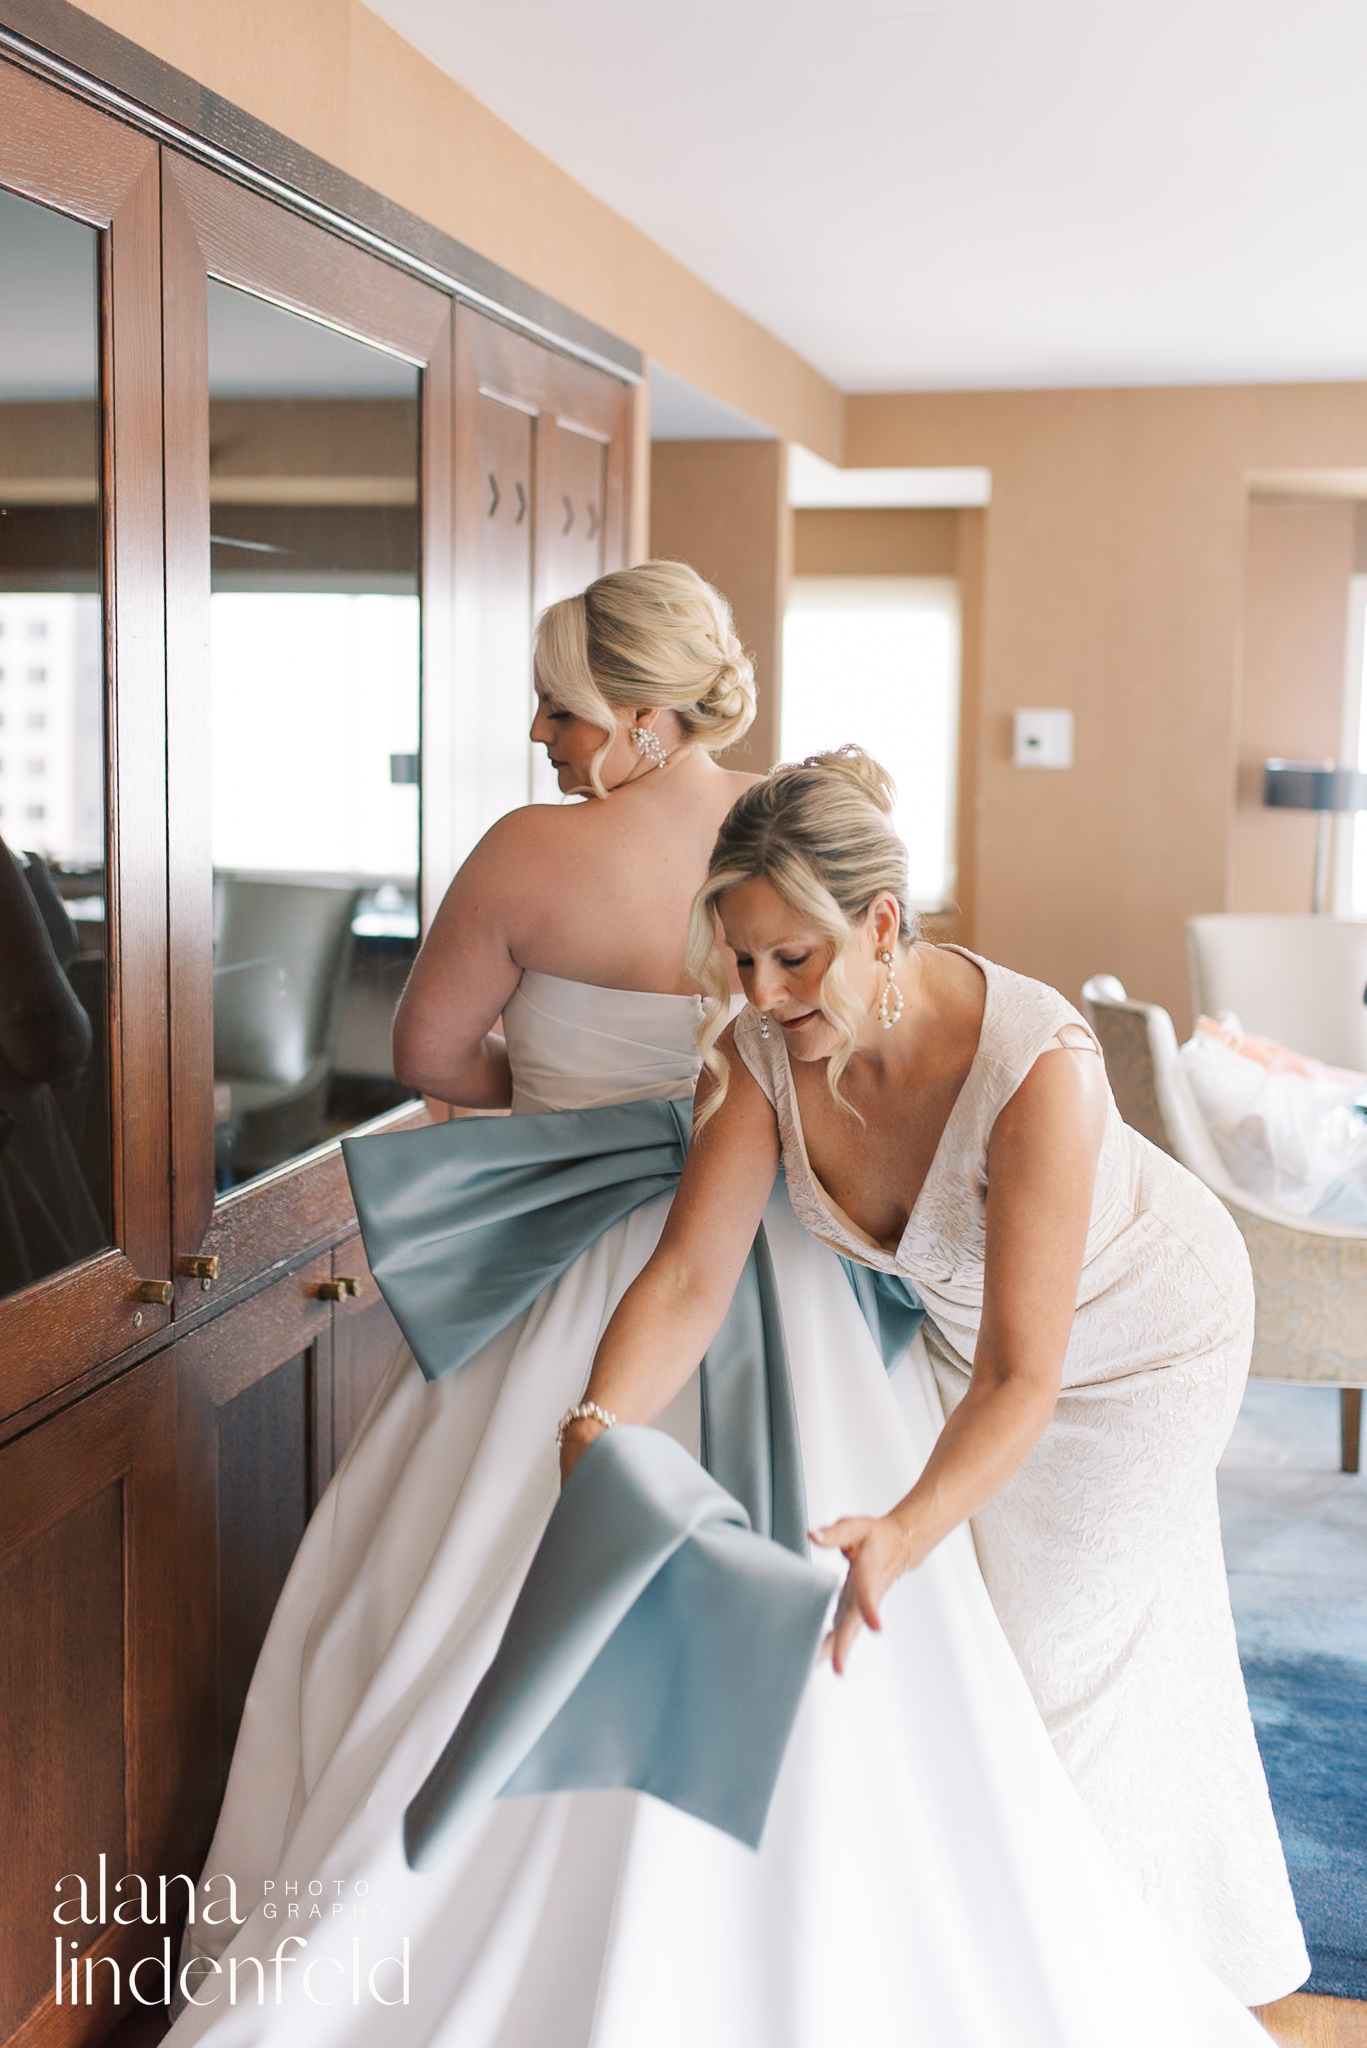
(1310, 1278)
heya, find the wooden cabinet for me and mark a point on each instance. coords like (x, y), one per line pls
(159, 1457)
(541, 485)
(95, 1739)
(68, 158)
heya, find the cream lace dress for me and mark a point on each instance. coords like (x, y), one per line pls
(1103, 1554)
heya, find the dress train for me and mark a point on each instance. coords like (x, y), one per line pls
(928, 1874)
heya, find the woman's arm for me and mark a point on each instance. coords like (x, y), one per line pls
(444, 1041)
(1042, 1172)
(675, 1306)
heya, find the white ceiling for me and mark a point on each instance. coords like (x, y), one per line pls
(940, 193)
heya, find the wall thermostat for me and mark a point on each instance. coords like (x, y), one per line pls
(1043, 739)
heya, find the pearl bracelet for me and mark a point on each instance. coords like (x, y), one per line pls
(587, 1411)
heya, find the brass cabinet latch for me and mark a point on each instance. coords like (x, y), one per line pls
(205, 1270)
(343, 1288)
(159, 1292)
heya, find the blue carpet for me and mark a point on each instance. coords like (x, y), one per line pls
(1311, 1716)
(1296, 1544)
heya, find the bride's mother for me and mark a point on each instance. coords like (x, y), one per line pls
(947, 1123)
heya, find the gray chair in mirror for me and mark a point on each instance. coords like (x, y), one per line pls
(282, 951)
(1310, 1278)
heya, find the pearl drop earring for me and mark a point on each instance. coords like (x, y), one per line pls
(890, 1002)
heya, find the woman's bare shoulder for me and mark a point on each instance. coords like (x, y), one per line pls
(532, 830)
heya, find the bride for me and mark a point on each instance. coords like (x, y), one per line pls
(927, 1873)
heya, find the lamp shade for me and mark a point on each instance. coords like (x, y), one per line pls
(1310, 786)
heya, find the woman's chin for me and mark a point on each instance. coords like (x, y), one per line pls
(811, 1039)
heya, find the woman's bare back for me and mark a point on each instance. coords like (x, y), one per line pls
(600, 892)
(595, 891)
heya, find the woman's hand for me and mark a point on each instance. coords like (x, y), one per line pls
(579, 1434)
(878, 1550)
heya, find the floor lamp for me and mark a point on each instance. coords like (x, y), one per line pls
(1313, 786)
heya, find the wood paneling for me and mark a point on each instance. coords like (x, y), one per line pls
(527, 421)
(254, 1436)
(496, 558)
(1309, 2022)
(61, 1702)
(87, 1683)
(365, 1341)
(62, 154)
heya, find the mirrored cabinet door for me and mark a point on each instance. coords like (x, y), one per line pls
(83, 1125)
(55, 1196)
(305, 383)
(314, 674)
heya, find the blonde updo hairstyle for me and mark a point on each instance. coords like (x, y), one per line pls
(655, 638)
(820, 833)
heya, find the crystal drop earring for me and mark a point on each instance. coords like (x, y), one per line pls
(648, 745)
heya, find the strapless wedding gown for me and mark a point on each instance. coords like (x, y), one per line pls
(928, 1877)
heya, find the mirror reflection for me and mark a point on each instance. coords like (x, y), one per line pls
(314, 663)
(55, 1198)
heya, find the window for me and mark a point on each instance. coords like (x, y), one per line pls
(1349, 895)
(875, 660)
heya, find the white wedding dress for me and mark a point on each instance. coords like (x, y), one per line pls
(928, 1876)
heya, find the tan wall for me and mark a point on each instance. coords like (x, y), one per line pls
(875, 543)
(1111, 562)
(1113, 585)
(1300, 559)
(723, 506)
(337, 79)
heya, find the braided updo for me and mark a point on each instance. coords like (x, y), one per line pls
(656, 638)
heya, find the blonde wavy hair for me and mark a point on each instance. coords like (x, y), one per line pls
(657, 638)
(820, 833)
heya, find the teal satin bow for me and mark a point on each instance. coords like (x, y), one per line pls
(465, 1223)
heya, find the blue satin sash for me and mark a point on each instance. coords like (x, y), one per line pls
(465, 1223)
(657, 1643)
(891, 1307)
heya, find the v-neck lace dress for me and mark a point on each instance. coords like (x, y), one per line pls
(1103, 1554)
